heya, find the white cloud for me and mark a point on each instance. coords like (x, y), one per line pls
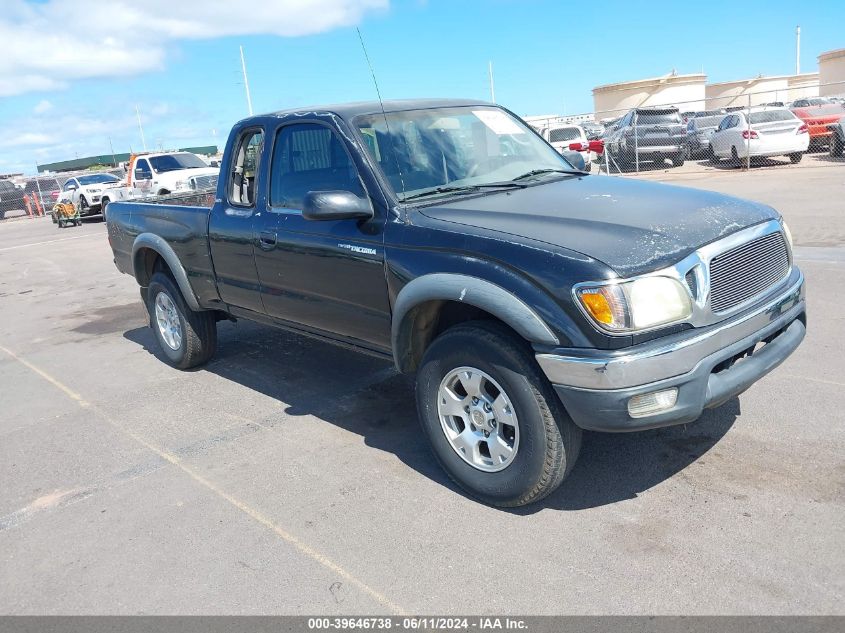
(42, 107)
(48, 45)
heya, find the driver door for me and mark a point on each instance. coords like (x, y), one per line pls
(322, 275)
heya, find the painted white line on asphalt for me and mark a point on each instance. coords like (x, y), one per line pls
(251, 512)
(60, 239)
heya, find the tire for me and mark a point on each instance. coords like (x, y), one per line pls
(193, 335)
(678, 160)
(735, 157)
(837, 147)
(796, 157)
(103, 205)
(82, 205)
(544, 440)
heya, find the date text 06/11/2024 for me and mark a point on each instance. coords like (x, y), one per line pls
(428, 623)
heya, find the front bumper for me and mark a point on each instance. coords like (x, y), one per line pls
(707, 367)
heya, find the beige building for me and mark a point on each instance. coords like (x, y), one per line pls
(684, 91)
(761, 90)
(832, 71)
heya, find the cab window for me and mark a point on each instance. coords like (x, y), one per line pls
(244, 169)
(310, 157)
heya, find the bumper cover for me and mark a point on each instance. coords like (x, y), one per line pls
(595, 390)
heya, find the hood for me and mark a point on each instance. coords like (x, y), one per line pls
(632, 226)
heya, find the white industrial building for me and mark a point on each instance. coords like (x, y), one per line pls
(684, 91)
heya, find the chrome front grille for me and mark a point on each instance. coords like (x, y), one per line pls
(747, 270)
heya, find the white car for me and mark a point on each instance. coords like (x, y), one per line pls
(760, 132)
(85, 192)
(562, 136)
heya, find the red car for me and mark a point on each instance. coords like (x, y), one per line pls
(818, 118)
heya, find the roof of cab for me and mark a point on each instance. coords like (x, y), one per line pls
(350, 110)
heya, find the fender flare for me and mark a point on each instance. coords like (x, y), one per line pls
(166, 252)
(473, 291)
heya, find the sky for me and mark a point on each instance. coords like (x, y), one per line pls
(73, 71)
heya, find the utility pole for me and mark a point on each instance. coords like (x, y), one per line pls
(797, 50)
(113, 158)
(246, 82)
(140, 127)
(492, 86)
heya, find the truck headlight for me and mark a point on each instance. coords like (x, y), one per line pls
(787, 233)
(640, 304)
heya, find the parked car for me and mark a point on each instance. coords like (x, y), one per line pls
(699, 131)
(45, 189)
(11, 198)
(818, 118)
(811, 101)
(531, 300)
(837, 137)
(763, 132)
(562, 137)
(651, 134)
(85, 192)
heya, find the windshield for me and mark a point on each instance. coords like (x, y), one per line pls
(656, 117)
(175, 162)
(423, 150)
(770, 116)
(563, 134)
(93, 179)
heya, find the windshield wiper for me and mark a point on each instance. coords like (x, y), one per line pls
(540, 172)
(465, 189)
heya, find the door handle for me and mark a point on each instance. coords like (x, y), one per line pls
(267, 240)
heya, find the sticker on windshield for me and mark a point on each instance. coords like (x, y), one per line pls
(498, 122)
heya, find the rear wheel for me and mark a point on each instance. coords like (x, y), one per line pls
(678, 160)
(713, 158)
(734, 157)
(186, 338)
(493, 420)
(796, 157)
(837, 147)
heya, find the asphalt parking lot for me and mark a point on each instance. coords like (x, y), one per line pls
(290, 477)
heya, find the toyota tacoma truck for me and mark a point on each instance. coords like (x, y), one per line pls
(531, 299)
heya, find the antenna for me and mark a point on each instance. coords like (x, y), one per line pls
(246, 82)
(797, 50)
(492, 86)
(381, 104)
(140, 127)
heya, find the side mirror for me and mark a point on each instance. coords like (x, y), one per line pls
(71, 187)
(575, 159)
(335, 205)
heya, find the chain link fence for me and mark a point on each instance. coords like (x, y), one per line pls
(738, 129)
(37, 196)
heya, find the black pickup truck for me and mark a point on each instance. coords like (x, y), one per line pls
(531, 299)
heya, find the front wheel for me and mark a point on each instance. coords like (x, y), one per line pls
(837, 146)
(492, 419)
(796, 157)
(103, 205)
(678, 159)
(186, 338)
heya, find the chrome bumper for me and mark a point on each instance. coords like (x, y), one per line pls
(596, 386)
(632, 366)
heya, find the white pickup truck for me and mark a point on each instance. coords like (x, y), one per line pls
(170, 172)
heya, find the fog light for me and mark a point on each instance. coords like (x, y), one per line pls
(651, 403)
